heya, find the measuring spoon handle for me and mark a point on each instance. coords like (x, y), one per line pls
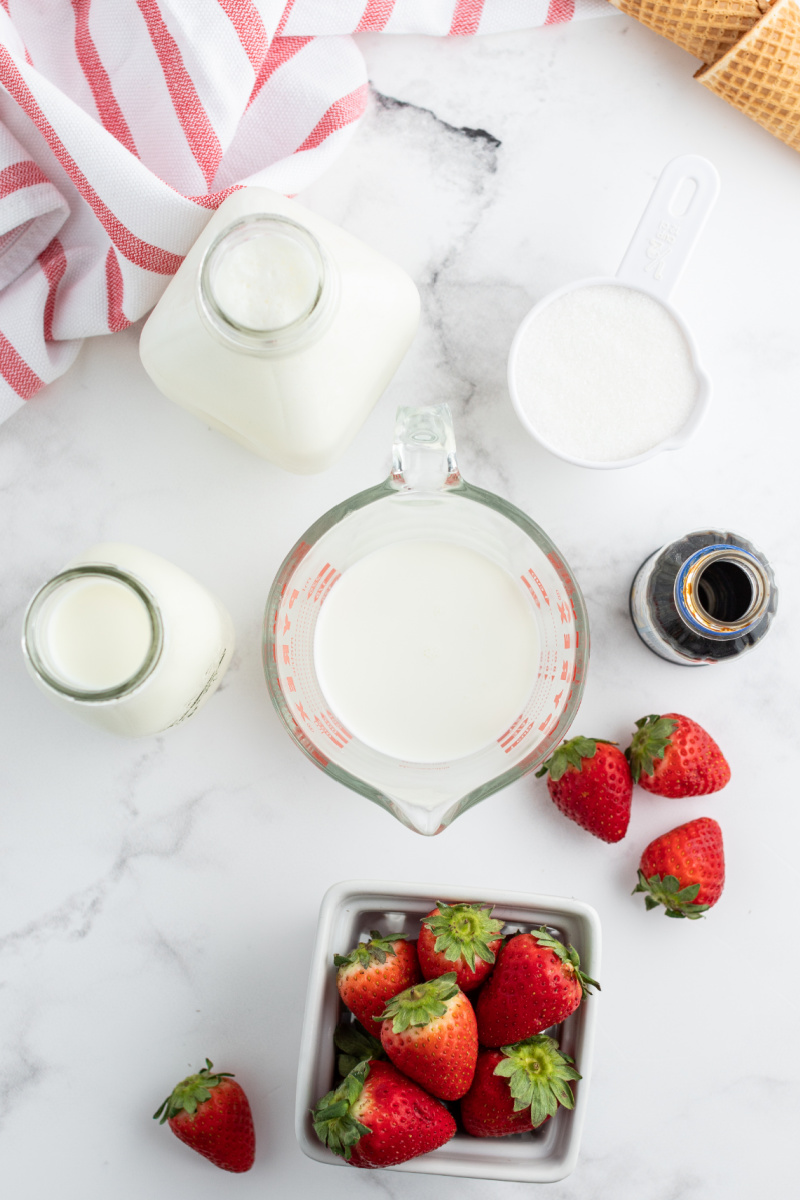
(670, 225)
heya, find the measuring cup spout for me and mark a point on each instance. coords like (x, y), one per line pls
(425, 817)
(424, 449)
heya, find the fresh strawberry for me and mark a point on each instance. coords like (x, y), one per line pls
(461, 938)
(684, 869)
(210, 1113)
(378, 1118)
(671, 755)
(430, 1033)
(537, 982)
(518, 1088)
(589, 780)
(374, 972)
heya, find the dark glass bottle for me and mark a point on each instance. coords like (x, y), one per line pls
(707, 597)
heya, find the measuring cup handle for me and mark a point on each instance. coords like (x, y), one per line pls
(424, 449)
(670, 226)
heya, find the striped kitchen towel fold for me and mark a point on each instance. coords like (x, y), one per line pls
(123, 123)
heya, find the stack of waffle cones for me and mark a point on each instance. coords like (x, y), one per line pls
(750, 48)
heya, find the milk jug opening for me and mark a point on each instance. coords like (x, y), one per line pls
(265, 284)
(93, 633)
(280, 329)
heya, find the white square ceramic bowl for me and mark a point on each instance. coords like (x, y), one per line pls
(349, 911)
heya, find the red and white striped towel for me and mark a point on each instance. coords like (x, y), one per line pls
(124, 122)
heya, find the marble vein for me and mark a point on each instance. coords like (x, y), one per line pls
(74, 919)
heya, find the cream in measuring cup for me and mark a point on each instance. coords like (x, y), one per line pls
(426, 650)
(604, 372)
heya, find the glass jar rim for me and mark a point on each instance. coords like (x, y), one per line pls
(689, 603)
(264, 341)
(93, 695)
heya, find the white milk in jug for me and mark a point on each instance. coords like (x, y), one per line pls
(126, 640)
(280, 330)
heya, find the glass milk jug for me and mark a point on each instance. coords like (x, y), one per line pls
(425, 643)
(280, 330)
(127, 641)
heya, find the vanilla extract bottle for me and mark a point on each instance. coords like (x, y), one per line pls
(707, 597)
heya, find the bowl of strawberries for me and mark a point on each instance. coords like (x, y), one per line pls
(448, 1033)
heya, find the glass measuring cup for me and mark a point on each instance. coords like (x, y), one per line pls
(682, 199)
(425, 498)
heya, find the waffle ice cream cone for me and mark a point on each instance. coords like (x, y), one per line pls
(760, 75)
(706, 28)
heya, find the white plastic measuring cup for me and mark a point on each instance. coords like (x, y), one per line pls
(653, 263)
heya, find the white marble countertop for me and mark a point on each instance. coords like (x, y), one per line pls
(159, 897)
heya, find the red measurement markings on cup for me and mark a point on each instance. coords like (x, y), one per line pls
(557, 665)
(322, 584)
(297, 617)
(539, 585)
(295, 558)
(333, 729)
(515, 733)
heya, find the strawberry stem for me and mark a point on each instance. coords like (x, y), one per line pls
(334, 1125)
(538, 1075)
(420, 1004)
(652, 737)
(190, 1093)
(464, 931)
(377, 949)
(571, 754)
(677, 901)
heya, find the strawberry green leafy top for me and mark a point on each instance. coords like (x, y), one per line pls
(377, 949)
(538, 1075)
(190, 1093)
(464, 931)
(334, 1124)
(420, 1004)
(653, 736)
(678, 901)
(568, 955)
(571, 754)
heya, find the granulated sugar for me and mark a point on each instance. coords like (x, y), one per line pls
(604, 373)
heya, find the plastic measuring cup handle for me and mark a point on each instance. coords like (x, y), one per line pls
(671, 224)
